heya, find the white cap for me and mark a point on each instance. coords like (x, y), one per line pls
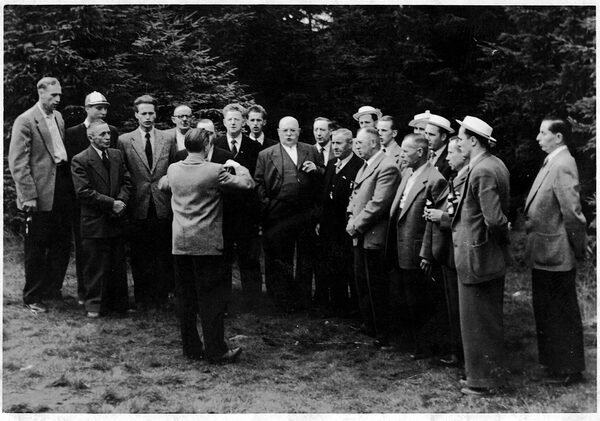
(95, 98)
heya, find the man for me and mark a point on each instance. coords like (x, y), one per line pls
(197, 188)
(182, 118)
(287, 182)
(480, 239)
(38, 162)
(322, 134)
(103, 188)
(420, 182)
(437, 132)
(256, 122)
(334, 275)
(437, 247)
(556, 237)
(244, 228)
(419, 122)
(367, 116)
(386, 127)
(368, 210)
(148, 153)
(77, 140)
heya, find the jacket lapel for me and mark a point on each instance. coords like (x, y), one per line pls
(159, 144)
(40, 121)
(396, 203)
(302, 154)
(277, 159)
(97, 165)
(417, 186)
(370, 169)
(114, 174)
(466, 183)
(539, 179)
(139, 147)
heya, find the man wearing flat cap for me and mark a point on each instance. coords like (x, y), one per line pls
(419, 122)
(437, 132)
(480, 234)
(367, 116)
(96, 108)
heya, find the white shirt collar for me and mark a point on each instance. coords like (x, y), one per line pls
(143, 134)
(260, 139)
(555, 152)
(371, 159)
(86, 123)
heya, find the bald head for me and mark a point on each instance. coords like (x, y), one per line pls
(289, 131)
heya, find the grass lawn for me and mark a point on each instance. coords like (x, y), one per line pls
(62, 362)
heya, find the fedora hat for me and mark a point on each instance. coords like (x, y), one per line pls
(95, 98)
(438, 120)
(478, 126)
(419, 118)
(367, 109)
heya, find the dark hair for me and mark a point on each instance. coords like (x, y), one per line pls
(483, 141)
(144, 99)
(560, 125)
(389, 118)
(196, 139)
(258, 109)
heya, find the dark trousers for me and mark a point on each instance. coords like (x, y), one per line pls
(201, 289)
(372, 288)
(482, 332)
(417, 288)
(248, 253)
(451, 294)
(151, 260)
(288, 288)
(48, 243)
(105, 274)
(78, 254)
(334, 275)
(558, 321)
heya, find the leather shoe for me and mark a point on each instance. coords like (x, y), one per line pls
(93, 314)
(564, 379)
(230, 356)
(36, 307)
(476, 391)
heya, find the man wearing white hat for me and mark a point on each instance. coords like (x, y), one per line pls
(419, 122)
(480, 235)
(437, 132)
(367, 116)
(96, 108)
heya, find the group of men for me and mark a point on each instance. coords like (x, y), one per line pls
(361, 216)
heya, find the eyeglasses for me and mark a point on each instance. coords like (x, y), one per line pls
(182, 116)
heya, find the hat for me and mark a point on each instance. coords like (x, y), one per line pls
(95, 98)
(478, 126)
(418, 118)
(367, 109)
(438, 120)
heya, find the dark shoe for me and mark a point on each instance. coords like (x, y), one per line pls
(93, 314)
(476, 391)
(36, 307)
(564, 379)
(450, 361)
(230, 356)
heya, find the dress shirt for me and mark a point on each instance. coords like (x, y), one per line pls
(180, 140)
(98, 151)
(292, 151)
(326, 149)
(60, 153)
(555, 152)
(143, 134)
(340, 164)
(436, 154)
(238, 141)
(410, 183)
(260, 139)
(209, 153)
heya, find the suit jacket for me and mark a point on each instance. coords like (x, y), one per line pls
(78, 141)
(437, 241)
(269, 179)
(442, 164)
(197, 190)
(393, 151)
(145, 180)
(409, 224)
(371, 199)
(97, 190)
(247, 152)
(267, 143)
(335, 198)
(555, 225)
(480, 226)
(31, 158)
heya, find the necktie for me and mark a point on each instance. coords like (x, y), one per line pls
(338, 166)
(322, 154)
(105, 160)
(431, 156)
(234, 150)
(148, 150)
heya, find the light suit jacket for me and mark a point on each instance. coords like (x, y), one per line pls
(393, 151)
(31, 158)
(371, 199)
(554, 222)
(480, 226)
(145, 181)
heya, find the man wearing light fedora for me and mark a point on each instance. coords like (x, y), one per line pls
(437, 132)
(480, 233)
(367, 116)
(419, 122)
(96, 108)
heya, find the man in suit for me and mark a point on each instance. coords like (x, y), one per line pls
(197, 188)
(287, 183)
(419, 122)
(243, 238)
(38, 162)
(334, 276)
(148, 153)
(368, 211)
(386, 127)
(437, 248)
(437, 132)
(367, 116)
(103, 188)
(322, 134)
(421, 182)
(96, 108)
(556, 237)
(480, 238)
(256, 122)
(182, 118)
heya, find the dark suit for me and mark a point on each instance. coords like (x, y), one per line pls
(267, 143)
(442, 164)
(334, 274)
(76, 142)
(288, 197)
(104, 267)
(38, 177)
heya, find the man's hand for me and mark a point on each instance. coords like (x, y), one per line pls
(351, 230)
(309, 166)
(425, 266)
(318, 229)
(163, 183)
(118, 206)
(30, 205)
(433, 215)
